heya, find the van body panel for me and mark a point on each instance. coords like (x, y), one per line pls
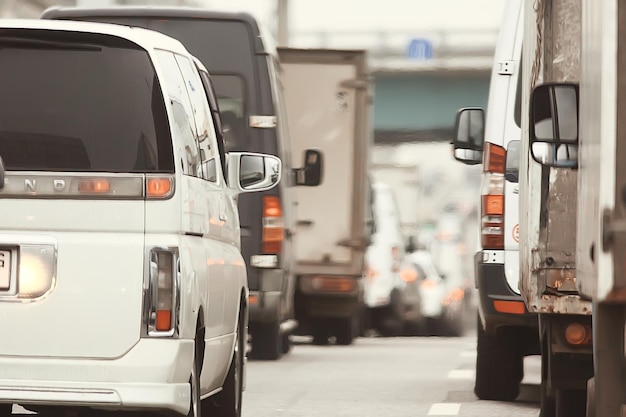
(501, 126)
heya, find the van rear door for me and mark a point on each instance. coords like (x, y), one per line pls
(82, 124)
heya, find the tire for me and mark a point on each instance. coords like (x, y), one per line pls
(285, 343)
(267, 341)
(347, 330)
(570, 403)
(320, 334)
(499, 367)
(227, 403)
(6, 410)
(548, 399)
(390, 321)
(591, 398)
(195, 407)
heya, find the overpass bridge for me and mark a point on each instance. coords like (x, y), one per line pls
(421, 77)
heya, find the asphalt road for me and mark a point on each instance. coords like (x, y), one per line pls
(418, 376)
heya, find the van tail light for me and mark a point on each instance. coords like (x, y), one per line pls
(395, 259)
(163, 282)
(273, 229)
(492, 198)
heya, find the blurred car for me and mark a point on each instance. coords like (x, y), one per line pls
(442, 299)
(391, 290)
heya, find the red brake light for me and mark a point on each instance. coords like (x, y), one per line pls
(273, 230)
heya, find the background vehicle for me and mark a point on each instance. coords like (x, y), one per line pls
(328, 102)
(600, 203)
(110, 249)
(506, 330)
(548, 254)
(391, 290)
(246, 75)
(443, 299)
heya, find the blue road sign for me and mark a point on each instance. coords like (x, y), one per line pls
(420, 49)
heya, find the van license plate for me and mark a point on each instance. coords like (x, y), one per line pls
(5, 269)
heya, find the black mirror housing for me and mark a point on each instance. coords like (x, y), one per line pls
(469, 135)
(553, 124)
(311, 174)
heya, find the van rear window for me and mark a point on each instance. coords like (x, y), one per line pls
(80, 102)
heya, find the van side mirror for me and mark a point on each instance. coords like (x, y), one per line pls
(469, 135)
(511, 169)
(554, 124)
(249, 172)
(311, 174)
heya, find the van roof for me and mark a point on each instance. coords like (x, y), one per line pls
(147, 39)
(263, 45)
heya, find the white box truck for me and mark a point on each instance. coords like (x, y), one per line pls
(598, 105)
(328, 97)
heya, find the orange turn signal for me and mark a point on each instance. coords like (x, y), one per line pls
(510, 307)
(163, 320)
(158, 187)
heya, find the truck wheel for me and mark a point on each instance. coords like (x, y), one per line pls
(390, 318)
(548, 399)
(347, 330)
(570, 403)
(266, 341)
(320, 333)
(285, 343)
(499, 367)
(6, 409)
(227, 403)
(591, 398)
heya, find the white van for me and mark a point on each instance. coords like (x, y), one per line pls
(506, 330)
(390, 286)
(122, 285)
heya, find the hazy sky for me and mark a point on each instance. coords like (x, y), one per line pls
(337, 15)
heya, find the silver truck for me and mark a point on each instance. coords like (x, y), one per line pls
(328, 97)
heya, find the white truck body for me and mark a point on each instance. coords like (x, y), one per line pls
(328, 108)
(404, 181)
(328, 102)
(598, 150)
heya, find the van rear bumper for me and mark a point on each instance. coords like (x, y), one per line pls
(492, 287)
(152, 375)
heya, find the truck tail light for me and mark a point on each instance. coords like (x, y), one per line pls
(492, 197)
(163, 293)
(273, 229)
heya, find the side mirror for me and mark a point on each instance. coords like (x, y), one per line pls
(248, 172)
(554, 124)
(311, 174)
(511, 169)
(469, 135)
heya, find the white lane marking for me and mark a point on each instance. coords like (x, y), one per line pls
(462, 374)
(468, 354)
(444, 409)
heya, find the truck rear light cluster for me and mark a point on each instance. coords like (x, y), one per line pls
(578, 334)
(328, 284)
(492, 197)
(163, 293)
(273, 228)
